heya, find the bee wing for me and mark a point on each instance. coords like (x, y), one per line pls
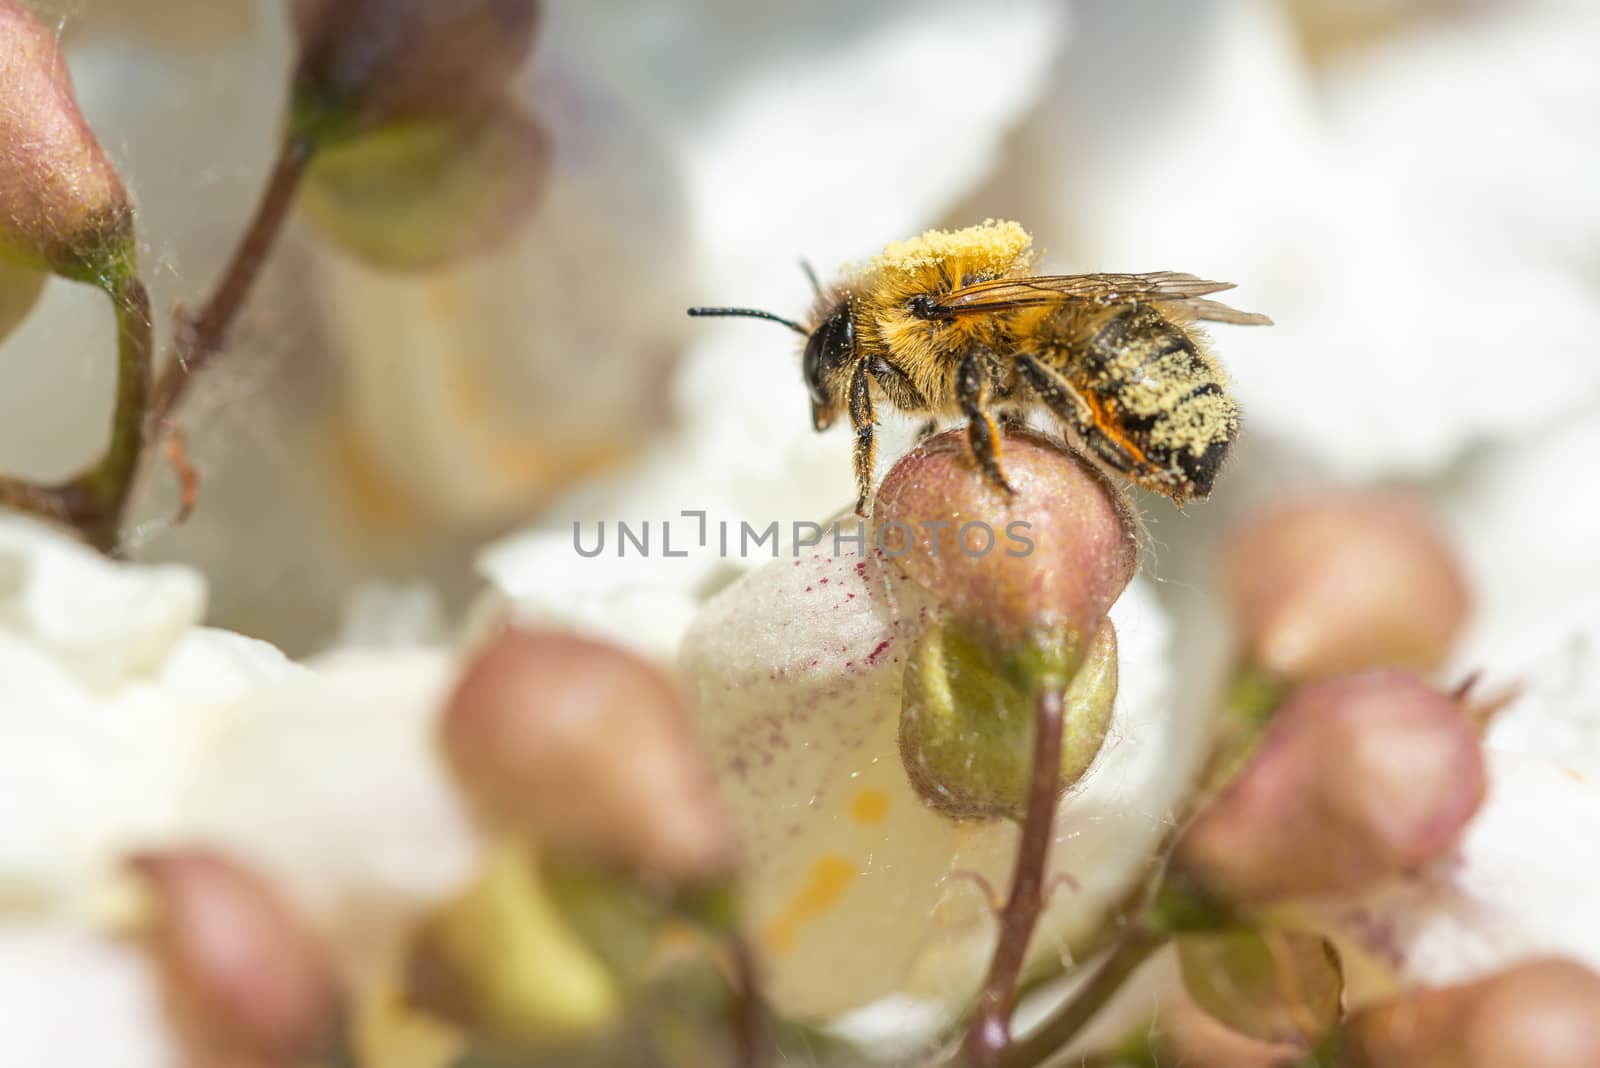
(1158, 287)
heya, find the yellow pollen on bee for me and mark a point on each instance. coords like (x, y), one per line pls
(869, 806)
(829, 877)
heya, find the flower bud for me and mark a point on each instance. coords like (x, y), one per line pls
(366, 63)
(1188, 1036)
(500, 962)
(62, 205)
(245, 979)
(966, 729)
(421, 195)
(1030, 577)
(20, 286)
(1355, 779)
(1345, 582)
(589, 750)
(1540, 1014)
(1275, 986)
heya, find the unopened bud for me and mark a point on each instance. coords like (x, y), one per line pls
(967, 729)
(1355, 779)
(1031, 577)
(1188, 1036)
(20, 286)
(1345, 582)
(1275, 986)
(1540, 1014)
(419, 195)
(589, 750)
(501, 962)
(245, 979)
(366, 63)
(62, 205)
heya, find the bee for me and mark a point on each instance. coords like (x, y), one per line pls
(956, 324)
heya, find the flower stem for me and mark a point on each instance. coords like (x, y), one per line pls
(95, 500)
(989, 1034)
(749, 1016)
(1134, 947)
(201, 338)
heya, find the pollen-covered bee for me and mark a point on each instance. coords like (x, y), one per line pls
(956, 324)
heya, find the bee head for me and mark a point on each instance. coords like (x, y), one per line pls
(830, 351)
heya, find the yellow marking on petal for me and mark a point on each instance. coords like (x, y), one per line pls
(829, 876)
(869, 806)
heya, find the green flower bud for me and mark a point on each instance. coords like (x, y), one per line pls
(1030, 577)
(967, 728)
(367, 63)
(20, 286)
(245, 980)
(1355, 779)
(1345, 582)
(501, 962)
(589, 751)
(1275, 986)
(418, 195)
(62, 205)
(1540, 1014)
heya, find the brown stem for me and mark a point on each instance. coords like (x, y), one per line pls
(989, 1034)
(1051, 1036)
(202, 338)
(749, 1015)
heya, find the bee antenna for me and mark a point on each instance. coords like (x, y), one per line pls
(751, 313)
(811, 273)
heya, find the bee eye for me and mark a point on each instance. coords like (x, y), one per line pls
(831, 346)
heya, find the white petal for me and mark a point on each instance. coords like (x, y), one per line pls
(1528, 543)
(330, 782)
(72, 998)
(1405, 268)
(102, 621)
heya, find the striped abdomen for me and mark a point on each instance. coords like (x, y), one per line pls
(1159, 409)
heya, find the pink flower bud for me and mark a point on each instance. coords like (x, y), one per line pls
(246, 981)
(587, 749)
(1541, 1014)
(365, 63)
(1033, 575)
(62, 205)
(1355, 779)
(1344, 582)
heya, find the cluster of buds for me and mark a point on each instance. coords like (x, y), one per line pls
(579, 762)
(422, 154)
(1349, 769)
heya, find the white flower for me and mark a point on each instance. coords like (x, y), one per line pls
(856, 889)
(113, 693)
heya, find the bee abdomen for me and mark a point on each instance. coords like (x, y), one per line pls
(1163, 397)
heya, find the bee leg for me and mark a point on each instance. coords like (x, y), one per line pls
(862, 418)
(897, 386)
(1064, 401)
(972, 392)
(927, 430)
